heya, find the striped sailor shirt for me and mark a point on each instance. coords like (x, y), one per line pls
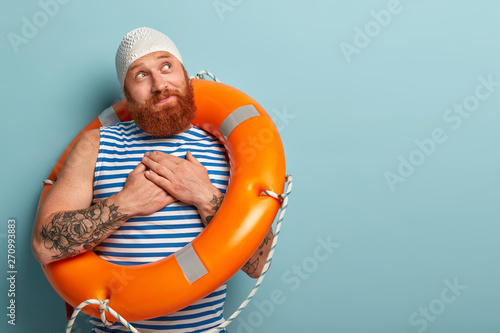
(150, 238)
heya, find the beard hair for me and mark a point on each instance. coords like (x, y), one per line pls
(164, 120)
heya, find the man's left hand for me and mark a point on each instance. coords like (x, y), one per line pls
(185, 179)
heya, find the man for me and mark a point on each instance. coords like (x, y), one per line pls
(138, 191)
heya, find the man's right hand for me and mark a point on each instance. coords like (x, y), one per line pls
(140, 196)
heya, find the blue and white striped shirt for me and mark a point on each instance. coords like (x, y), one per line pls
(150, 238)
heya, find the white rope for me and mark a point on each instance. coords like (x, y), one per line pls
(103, 306)
(201, 75)
(284, 203)
(48, 181)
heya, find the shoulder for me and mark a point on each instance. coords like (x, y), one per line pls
(91, 139)
(88, 141)
(85, 150)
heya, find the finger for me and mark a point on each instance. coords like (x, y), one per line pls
(157, 159)
(160, 181)
(170, 199)
(139, 168)
(191, 158)
(163, 158)
(159, 168)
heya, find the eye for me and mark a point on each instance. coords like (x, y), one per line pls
(140, 75)
(166, 68)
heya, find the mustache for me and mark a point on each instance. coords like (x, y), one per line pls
(161, 95)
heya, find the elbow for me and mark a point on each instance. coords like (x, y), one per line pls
(36, 252)
(40, 252)
(42, 258)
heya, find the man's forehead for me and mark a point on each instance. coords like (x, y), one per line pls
(155, 55)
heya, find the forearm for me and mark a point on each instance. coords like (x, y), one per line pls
(255, 264)
(208, 209)
(68, 233)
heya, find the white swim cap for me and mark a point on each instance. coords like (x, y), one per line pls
(138, 43)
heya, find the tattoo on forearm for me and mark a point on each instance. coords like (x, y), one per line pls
(253, 263)
(86, 227)
(251, 267)
(216, 202)
(266, 240)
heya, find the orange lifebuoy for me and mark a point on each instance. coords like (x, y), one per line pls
(257, 163)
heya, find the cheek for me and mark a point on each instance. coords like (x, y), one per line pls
(138, 91)
(180, 81)
(139, 95)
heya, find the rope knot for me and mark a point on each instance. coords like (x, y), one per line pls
(103, 307)
(201, 75)
(283, 196)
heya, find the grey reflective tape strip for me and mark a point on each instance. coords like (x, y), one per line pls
(108, 117)
(237, 117)
(190, 263)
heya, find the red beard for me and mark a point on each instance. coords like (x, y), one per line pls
(164, 120)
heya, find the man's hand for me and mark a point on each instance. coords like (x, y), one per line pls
(184, 179)
(140, 196)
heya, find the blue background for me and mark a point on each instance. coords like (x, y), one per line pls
(347, 118)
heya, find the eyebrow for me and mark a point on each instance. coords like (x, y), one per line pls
(164, 56)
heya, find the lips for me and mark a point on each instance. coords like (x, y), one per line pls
(165, 100)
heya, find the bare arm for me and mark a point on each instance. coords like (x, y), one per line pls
(255, 264)
(68, 224)
(69, 233)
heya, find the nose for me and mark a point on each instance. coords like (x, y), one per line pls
(159, 82)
